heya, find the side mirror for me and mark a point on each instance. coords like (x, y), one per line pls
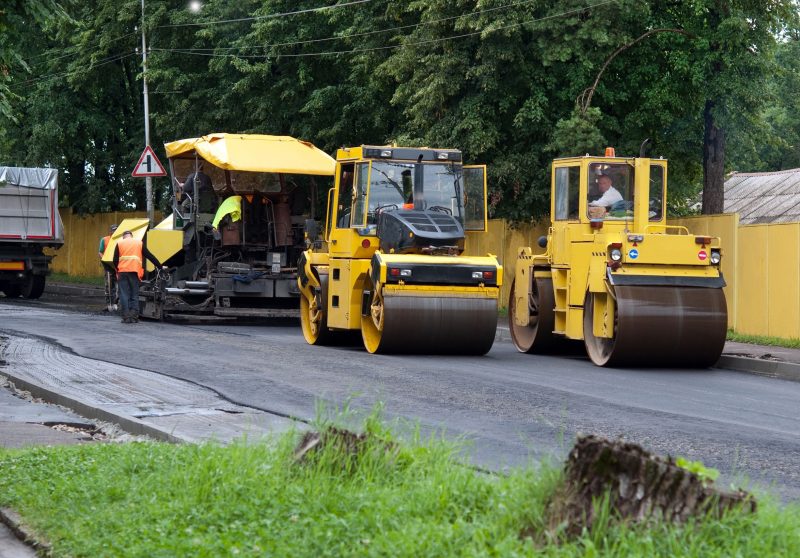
(542, 241)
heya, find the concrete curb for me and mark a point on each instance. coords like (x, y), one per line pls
(129, 424)
(73, 290)
(781, 370)
(762, 367)
(13, 521)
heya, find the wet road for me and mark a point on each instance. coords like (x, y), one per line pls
(511, 407)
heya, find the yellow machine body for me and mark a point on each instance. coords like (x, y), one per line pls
(413, 292)
(636, 290)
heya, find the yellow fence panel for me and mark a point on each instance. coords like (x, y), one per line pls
(761, 263)
(504, 241)
(726, 228)
(82, 234)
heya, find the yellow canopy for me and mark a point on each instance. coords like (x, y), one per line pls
(257, 153)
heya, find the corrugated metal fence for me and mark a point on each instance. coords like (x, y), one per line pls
(761, 263)
(82, 234)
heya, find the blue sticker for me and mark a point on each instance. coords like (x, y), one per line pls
(633, 253)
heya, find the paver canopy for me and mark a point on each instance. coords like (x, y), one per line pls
(257, 153)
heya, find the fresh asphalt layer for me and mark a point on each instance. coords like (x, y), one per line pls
(511, 408)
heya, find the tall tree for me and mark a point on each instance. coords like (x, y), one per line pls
(17, 18)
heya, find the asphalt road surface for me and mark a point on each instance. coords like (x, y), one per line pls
(511, 408)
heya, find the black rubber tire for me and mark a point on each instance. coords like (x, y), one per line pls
(33, 287)
(12, 290)
(538, 337)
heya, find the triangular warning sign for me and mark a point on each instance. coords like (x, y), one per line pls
(148, 165)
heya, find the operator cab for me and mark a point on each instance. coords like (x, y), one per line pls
(410, 198)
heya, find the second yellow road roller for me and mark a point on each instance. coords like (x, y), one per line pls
(389, 261)
(636, 290)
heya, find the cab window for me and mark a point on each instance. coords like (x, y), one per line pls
(360, 203)
(656, 192)
(345, 201)
(610, 191)
(567, 195)
(474, 198)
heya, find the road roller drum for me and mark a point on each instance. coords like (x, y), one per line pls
(430, 325)
(661, 326)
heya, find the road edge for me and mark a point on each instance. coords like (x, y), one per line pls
(777, 369)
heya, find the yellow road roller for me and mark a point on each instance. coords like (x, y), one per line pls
(389, 261)
(636, 290)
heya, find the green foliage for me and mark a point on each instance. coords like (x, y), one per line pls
(707, 475)
(578, 134)
(497, 79)
(253, 499)
(791, 343)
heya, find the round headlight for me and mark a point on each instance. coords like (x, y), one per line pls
(616, 255)
(715, 257)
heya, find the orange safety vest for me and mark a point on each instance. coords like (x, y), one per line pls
(106, 240)
(130, 256)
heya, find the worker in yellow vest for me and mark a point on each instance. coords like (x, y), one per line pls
(129, 255)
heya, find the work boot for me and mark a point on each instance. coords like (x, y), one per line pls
(135, 318)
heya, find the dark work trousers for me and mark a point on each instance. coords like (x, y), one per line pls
(129, 294)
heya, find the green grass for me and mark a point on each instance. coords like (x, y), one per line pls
(764, 340)
(160, 500)
(79, 279)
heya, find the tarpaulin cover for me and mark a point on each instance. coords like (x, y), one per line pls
(29, 206)
(257, 153)
(42, 179)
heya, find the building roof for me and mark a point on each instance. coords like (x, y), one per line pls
(764, 197)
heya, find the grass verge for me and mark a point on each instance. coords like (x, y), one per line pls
(152, 499)
(78, 279)
(764, 340)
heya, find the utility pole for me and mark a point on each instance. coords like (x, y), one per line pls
(148, 180)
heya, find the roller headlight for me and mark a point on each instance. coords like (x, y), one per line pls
(616, 254)
(716, 257)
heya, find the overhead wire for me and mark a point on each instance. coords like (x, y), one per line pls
(101, 62)
(368, 33)
(268, 16)
(83, 47)
(194, 52)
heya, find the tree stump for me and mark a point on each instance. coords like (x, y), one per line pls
(639, 485)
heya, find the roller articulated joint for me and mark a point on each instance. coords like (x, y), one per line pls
(307, 280)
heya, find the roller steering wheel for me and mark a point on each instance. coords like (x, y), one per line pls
(440, 209)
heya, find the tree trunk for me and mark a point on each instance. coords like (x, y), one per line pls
(639, 486)
(713, 163)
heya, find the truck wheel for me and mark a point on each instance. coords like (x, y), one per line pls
(12, 290)
(33, 287)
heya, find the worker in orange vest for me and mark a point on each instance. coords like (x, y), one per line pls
(129, 255)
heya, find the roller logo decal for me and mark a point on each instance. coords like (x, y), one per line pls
(633, 253)
(701, 255)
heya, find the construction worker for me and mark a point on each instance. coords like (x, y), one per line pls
(105, 241)
(128, 259)
(110, 277)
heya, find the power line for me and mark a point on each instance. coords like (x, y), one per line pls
(194, 52)
(366, 33)
(76, 53)
(269, 16)
(102, 62)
